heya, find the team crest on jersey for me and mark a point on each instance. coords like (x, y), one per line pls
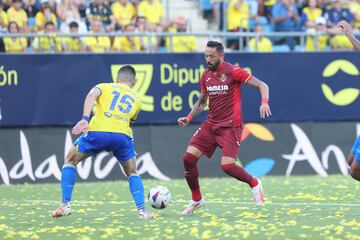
(223, 77)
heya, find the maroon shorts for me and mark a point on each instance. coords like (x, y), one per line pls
(208, 137)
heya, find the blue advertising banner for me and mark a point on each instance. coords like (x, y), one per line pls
(38, 90)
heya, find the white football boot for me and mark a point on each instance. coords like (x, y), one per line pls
(63, 210)
(145, 214)
(193, 205)
(258, 194)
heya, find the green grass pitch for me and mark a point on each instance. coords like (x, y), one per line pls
(306, 207)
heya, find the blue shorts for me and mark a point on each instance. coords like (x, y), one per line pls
(356, 150)
(120, 144)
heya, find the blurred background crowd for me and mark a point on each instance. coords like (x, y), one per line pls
(104, 23)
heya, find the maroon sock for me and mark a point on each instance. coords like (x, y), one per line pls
(192, 175)
(239, 173)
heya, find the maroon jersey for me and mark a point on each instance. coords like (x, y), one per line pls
(224, 90)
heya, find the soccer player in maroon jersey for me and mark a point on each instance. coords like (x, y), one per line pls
(221, 83)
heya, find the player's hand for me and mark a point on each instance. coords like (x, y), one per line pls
(265, 110)
(80, 127)
(183, 121)
(344, 26)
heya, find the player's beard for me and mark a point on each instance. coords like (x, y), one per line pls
(213, 66)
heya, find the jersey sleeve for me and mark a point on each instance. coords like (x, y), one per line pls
(356, 145)
(202, 83)
(240, 75)
(100, 87)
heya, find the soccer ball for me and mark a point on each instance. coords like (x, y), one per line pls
(159, 197)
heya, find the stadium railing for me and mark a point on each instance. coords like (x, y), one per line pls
(203, 36)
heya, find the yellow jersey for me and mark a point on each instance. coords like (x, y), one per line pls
(312, 15)
(48, 44)
(264, 45)
(40, 20)
(317, 44)
(20, 17)
(15, 45)
(123, 44)
(122, 13)
(73, 44)
(98, 44)
(153, 12)
(116, 107)
(238, 18)
(4, 18)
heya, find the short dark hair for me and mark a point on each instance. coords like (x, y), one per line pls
(73, 24)
(213, 44)
(127, 73)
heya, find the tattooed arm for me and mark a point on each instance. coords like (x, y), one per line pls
(195, 111)
(264, 91)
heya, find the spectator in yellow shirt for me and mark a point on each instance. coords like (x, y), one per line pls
(345, 27)
(73, 44)
(238, 15)
(310, 14)
(48, 44)
(180, 43)
(263, 44)
(15, 44)
(98, 44)
(340, 42)
(355, 10)
(16, 14)
(3, 17)
(124, 13)
(151, 43)
(128, 43)
(43, 16)
(152, 10)
(320, 38)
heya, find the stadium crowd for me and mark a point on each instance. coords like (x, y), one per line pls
(316, 17)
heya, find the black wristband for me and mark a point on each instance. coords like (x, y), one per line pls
(86, 118)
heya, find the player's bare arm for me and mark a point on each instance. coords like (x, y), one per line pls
(348, 32)
(198, 107)
(90, 99)
(264, 91)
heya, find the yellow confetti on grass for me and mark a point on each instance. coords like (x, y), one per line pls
(294, 211)
(290, 223)
(206, 234)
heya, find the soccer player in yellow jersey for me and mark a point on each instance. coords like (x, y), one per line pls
(117, 106)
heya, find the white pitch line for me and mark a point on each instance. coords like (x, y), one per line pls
(182, 202)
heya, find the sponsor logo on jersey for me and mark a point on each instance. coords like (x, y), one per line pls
(108, 115)
(217, 88)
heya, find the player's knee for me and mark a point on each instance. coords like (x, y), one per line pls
(227, 167)
(189, 160)
(130, 171)
(70, 160)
